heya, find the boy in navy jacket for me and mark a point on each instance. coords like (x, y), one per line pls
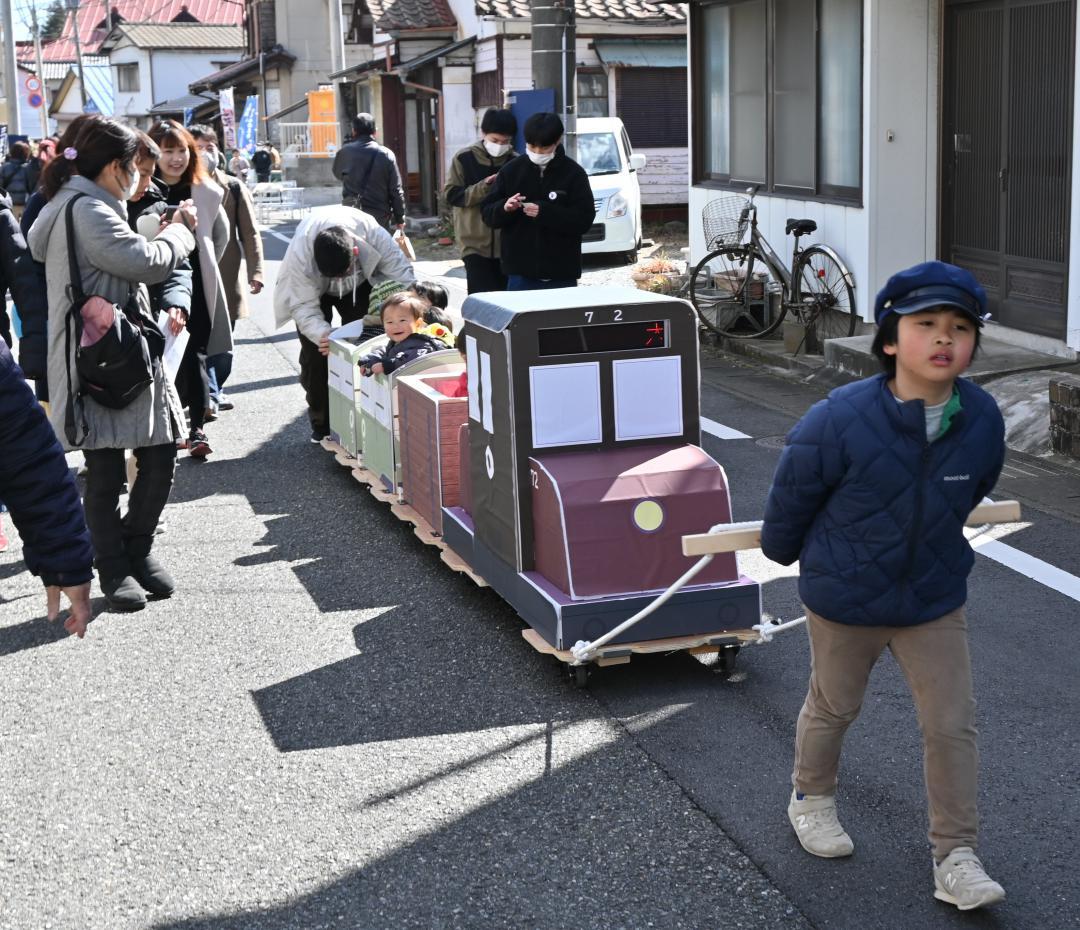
(871, 494)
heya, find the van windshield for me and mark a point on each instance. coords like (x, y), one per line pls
(598, 153)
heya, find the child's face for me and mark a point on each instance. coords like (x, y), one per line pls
(399, 322)
(934, 345)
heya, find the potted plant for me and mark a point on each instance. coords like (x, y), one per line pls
(443, 233)
(658, 274)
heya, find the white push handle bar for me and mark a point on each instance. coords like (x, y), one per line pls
(731, 537)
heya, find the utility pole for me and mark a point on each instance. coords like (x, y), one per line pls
(40, 70)
(554, 60)
(11, 70)
(73, 6)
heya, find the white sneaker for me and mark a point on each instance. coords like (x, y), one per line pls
(962, 880)
(817, 826)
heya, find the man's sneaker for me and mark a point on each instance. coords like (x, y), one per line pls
(224, 402)
(817, 827)
(198, 444)
(318, 435)
(210, 414)
(960, 879)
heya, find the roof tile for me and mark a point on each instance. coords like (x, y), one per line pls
(95, 23)
(399, 15)
(633, 10)
(184, 35)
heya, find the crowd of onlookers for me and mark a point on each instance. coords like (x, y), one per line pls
(129, 256)
(112, 235)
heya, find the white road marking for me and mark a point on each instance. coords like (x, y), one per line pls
(1029, 566)
(277, 235)
(720, 431)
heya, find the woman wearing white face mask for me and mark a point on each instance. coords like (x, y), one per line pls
(114, 263)
(181, 168)
(471, 176)
(542, 204)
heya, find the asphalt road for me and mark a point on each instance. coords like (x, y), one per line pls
(327, 728)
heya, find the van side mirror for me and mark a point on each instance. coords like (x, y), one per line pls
(637, 162)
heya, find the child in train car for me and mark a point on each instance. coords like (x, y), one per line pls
(870, 495)
(438, 300)
(402, 317)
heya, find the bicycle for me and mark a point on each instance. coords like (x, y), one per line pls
(742, 289)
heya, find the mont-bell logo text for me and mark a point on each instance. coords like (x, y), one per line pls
(957, 478)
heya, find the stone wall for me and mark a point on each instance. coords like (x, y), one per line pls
(1065, 415)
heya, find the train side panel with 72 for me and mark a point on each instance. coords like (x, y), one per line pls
(585, 466)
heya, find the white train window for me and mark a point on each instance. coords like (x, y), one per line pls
(565, 404)
(648, 397)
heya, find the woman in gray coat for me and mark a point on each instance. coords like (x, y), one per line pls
(113, 262)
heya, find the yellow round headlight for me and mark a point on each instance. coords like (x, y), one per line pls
(648, 516)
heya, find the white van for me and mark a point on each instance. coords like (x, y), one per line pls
(603, 150)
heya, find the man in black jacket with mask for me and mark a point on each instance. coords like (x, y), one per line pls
(543, 204)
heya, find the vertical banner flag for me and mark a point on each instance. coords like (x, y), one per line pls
(189, 115)
(228, 118)
(3, 140)
(247, 131)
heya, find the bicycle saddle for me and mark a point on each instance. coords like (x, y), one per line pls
(799, 227)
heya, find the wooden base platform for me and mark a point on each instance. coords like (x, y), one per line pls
(421, 528)
(341, 456)
(621, 653)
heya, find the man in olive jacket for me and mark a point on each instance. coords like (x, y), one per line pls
(472, 173)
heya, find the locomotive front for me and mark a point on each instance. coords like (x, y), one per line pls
(585, 468)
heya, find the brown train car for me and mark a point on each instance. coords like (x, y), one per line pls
(430, 421)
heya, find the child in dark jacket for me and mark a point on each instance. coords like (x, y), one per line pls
(402, 319)
(871, 494)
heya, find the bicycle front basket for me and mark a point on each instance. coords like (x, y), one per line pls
(724, 220)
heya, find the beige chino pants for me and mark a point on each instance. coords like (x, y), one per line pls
(935, 661)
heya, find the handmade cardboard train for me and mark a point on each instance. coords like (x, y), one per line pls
(584, 468)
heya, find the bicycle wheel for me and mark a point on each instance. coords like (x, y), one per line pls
(825, 298)
(734, 293)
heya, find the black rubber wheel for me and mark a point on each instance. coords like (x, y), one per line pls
(723, 300)
(725, 659)
(825, 297)
(630, 257)
(581, 674)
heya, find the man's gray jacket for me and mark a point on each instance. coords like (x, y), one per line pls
(370, 179)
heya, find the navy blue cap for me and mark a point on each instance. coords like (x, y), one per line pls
(929, 285)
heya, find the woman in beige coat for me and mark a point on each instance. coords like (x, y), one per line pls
(183, 171)
(113, 262)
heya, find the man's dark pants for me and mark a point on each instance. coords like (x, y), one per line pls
(483, 274)
(313, 369)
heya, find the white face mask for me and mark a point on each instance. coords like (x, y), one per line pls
(210, 160)
(133, 186)
(540, 160)
(495, 149)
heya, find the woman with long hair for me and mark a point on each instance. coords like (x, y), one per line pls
(113, 263)
(185, 175)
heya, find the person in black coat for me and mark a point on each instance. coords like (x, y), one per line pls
(40, 493)
(33, 346)
(17, 276)
(543, 204)
(173, 295)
